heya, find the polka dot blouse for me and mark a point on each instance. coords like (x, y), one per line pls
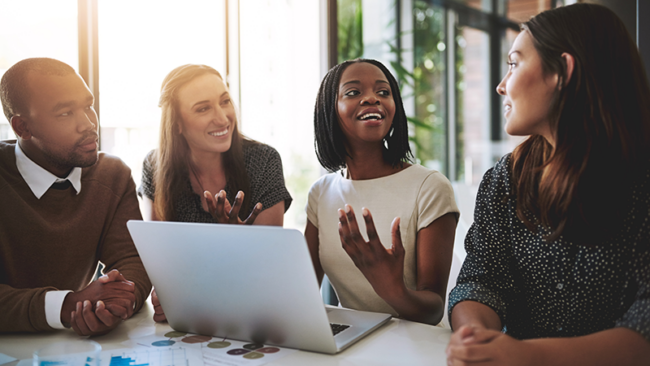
(556, 289)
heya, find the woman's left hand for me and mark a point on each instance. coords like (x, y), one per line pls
(224, 213)
(384, 268)
(489, 347)
(159, 314)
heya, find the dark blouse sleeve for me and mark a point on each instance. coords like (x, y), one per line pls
(637, 316)
(266, 177)
(147, 188)
(486, 274)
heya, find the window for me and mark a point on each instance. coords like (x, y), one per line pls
(522, 10)
(472, 105)
(139, 44)
(448, 56)
(272, 65)
(429, 102)
(49, 32)
(280, 77)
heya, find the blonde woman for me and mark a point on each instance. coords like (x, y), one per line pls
(201, 151)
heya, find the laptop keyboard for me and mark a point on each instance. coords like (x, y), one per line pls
(338, 328)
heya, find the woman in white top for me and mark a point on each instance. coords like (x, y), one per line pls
(402, 265)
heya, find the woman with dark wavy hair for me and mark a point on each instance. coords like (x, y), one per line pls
(403, 266)
(558, 258)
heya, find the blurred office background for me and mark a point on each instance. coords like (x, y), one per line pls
(448, 55)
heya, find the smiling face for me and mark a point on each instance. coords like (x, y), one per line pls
(365, 104)
(528, 92)
(208, 115)
(62, 123)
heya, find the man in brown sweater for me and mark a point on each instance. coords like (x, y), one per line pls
(63, 208)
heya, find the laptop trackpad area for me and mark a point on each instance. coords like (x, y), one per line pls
(354, 324)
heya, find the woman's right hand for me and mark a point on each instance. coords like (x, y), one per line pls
(159, 314)
(383, 268)
(224, 213)
(464, 335)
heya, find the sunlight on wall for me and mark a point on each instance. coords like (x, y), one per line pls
(280, 76)
(36, 28)
(140, 42)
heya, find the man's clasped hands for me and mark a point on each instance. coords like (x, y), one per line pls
(101, 306)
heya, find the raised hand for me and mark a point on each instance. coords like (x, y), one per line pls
(384, 268)
(224, 213)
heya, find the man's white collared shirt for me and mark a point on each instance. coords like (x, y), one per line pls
(40, 180)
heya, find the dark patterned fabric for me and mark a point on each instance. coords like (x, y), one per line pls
(555, 289)
(264, 168)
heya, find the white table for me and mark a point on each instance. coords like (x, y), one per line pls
(399, 342)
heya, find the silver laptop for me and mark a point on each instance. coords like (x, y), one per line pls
(250, 283)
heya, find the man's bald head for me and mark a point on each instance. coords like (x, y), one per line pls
(14, 90)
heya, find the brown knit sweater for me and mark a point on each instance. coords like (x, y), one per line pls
(55, 243)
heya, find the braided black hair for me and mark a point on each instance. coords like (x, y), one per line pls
(329, 139)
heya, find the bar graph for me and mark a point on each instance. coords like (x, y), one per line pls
(154, 357)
